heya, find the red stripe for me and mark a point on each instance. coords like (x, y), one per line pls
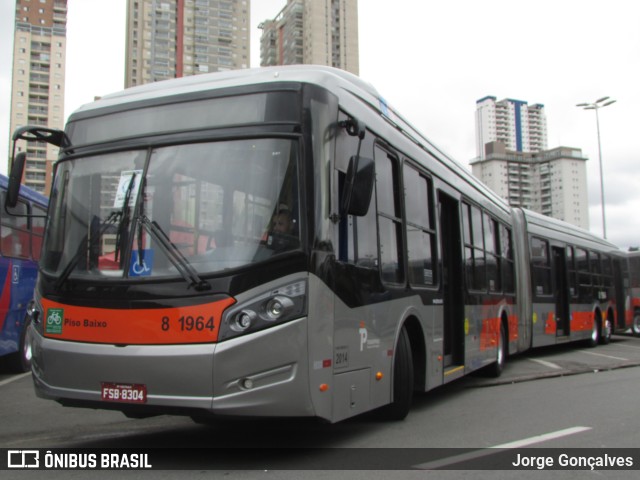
(180, 39)
(5, 298)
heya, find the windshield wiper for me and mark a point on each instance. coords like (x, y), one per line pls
(86, 243)
(123, 230)
(174, 254)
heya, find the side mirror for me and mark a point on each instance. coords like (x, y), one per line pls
(13, 190)
(358, 189)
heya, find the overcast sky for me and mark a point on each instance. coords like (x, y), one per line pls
(431, 60)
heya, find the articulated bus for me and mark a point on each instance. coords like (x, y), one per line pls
(633, 298)
(280, 242)
(21, 230)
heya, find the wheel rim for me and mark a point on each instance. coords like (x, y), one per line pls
(594, 333)
(27, 352)
(636, 324)
(500, 358)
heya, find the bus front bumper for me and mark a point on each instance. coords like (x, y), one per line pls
(262, 374)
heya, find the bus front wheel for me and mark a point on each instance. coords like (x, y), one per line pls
(399, 408)
(20, 361)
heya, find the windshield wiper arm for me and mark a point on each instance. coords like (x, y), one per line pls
(174, 254)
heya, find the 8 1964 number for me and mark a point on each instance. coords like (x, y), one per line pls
(188, 324)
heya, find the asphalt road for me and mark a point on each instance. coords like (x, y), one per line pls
(562, 397)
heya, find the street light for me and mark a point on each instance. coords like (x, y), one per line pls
(598, 104)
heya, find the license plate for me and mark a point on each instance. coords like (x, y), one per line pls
(124, 392)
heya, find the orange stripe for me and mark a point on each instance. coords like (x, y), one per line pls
(581, 321)
(159, 326)
(550, 324)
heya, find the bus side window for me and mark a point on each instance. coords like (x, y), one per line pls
(14, 231)
(596, 270)
(582, 264)
(491, 243)
(607, 271)
(474, 247)
(421, 236)
(572, 273)
(541, 266)
(506, 260)
(389, 216)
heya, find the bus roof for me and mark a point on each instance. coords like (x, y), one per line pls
(328, 77)
(558, 227)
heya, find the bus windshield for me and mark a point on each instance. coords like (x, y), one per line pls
(201, 207)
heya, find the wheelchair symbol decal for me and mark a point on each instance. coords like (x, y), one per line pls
(141, 268)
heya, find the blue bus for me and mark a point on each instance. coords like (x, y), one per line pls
(21, 230)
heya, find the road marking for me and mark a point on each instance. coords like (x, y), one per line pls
(13, 379)
(606, 356)
(545, 363)
(487, 451)
(543, 438)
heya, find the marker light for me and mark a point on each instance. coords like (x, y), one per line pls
(243, 320)
(247, 384)
(33, 311)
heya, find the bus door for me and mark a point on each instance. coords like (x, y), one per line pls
(452, 280)
(561, 294)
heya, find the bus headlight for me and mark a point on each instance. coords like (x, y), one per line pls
(263, 311)
(278, 306)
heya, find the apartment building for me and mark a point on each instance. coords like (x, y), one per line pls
(519, 126)
(552, 182)
(318, 32)
(37, 90)
(175, 38)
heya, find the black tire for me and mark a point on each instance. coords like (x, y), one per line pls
(399, 408)
(495, 369)
(594, 340)
(20, 361)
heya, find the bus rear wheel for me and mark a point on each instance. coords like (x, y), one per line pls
(636, 323)
(595, 333)
(495, 369)
(399, 408)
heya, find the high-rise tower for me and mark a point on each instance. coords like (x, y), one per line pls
(319, 32)
(37, 91)
(175, 38)
(519, 126)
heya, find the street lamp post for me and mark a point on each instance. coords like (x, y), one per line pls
(598, 104)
